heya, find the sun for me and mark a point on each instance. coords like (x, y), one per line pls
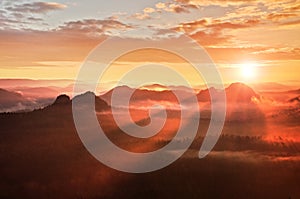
(248, 70)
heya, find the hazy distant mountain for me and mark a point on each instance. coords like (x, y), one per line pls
(32, 98)
(235, 93)
(6, 95)
(294, 91)
(204, 95)
(271, 86)
(38, 92)
(13, 83)
(144, 95)
(158, 87)
(12, 101)
(282, 97)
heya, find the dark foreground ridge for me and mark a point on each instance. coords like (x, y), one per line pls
(43, 157)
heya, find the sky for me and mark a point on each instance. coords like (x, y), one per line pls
(248, 40)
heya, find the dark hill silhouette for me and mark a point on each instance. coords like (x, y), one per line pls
(100, 104)
(42, 156)
(239, 92)
(295, 99)
(62, 99)
(294, 91)
(63, 103)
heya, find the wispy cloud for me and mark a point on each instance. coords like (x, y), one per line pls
(277, 16)
(210, 32)
(93, 27)
(168, 7)
(17, 15)
(37, 7)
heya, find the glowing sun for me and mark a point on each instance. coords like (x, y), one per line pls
(248, 70)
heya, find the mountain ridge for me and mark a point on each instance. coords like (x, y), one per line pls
(235, 93)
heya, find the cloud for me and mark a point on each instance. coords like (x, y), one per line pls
(219, 25)
(36, 7)
(34, 19)
(140, 16)
(227, 3)
(5, 22)
(248, 11)
(179, 7)
(93, 27)
(24, 16)
(278, 53)
(25, 48)
(294, 22)
(228, 26)
(212, 38)
(240, 54)
(160, 33)
(191, 26)
(71, 41)
(294, 8)
(210, 32)
(215, 24)
(149, 10)
(160, 5)
(277, 16)
(214, 2)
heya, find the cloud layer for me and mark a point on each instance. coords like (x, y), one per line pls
(36, 7)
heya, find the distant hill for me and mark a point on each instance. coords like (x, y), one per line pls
(43, 156)
(295, 99)
(38, 92)
(65, 103)
(235, 93)
(62, 100)
(150, 94)
(6, 95)
(271, 87)
(239, 92)
(13, 83)
(144, 94)
(204, 95)
(12, 101)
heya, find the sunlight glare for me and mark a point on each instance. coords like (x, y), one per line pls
(248, 70)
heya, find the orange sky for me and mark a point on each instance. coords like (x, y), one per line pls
(42, 40)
